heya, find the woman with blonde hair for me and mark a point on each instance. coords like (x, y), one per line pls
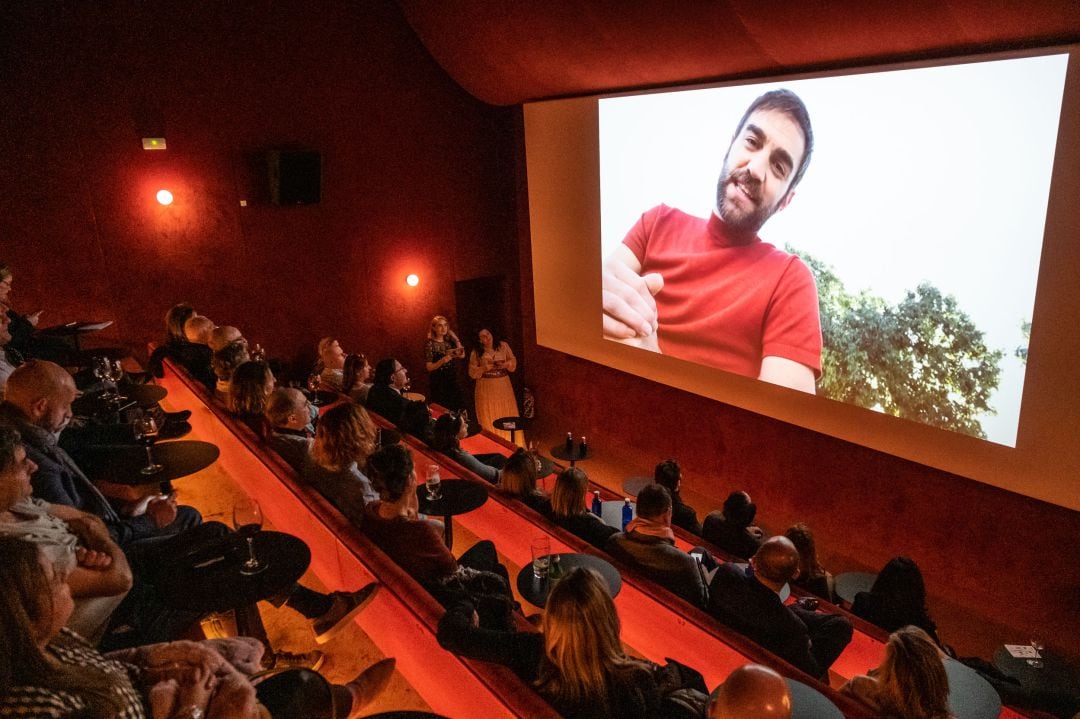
(518, 479)
(344, 439)
(911, 682)
(568, 508)
(441, 350)
(577, 662)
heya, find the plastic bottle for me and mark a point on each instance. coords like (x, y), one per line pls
(569, 443)
(597, 505)
(627, 513)
(584, 446)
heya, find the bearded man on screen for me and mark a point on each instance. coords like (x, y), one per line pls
(709, 290)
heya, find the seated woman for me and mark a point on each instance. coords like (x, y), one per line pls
(49, 671)
(897, 599)
(576, 662)
(356, 378)
(417, 545)
(251, 385)
(569, 512)
(519, 480)
(224, 362)
(449, 430)
(733, 529)
(911, 682)
(812, 576)
(331, 364)
(176, 345)
(344, 439)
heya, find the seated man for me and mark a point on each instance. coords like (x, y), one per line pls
(195, 354)
(38, 405)
(387, 395)
(648, 544)
(221, 336)
(668, 474)
(100, 576)
(225, 361)
(752, 692)
(8, 362)
(288, 414)
(331, 365)
(733, 529)
(748, 601)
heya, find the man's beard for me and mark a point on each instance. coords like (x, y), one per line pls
(737, 220)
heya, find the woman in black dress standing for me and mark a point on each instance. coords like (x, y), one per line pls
(441, 351)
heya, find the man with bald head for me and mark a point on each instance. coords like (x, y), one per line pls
(196, 354)
(747, 599)
(751, 692)
(222, 336)
(38, 406)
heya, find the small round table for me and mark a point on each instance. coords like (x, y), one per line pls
(572, 456)
(970, 696)
(404, 714)
(414, 396)
(611, 512)
(121, 464)
(511, 425)
(1055, 680)
(849, 584)
(458, 497)
(633, 485)
(535, 591)
(806, 701)
(145, 395)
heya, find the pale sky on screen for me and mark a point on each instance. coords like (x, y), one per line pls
(938, 174)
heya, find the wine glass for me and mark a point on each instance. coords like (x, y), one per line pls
(248, 520)
(313, 384)
(116, 373)
(102, 370)
(433, 482)
(146, 432)
(1038, 646)
(258, 354)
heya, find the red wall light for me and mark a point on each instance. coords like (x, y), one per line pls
(412, 280)
(164, 197)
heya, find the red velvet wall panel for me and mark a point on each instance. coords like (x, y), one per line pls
(414, 178)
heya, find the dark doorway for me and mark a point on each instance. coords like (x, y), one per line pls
(480, 302)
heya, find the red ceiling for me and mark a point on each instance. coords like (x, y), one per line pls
(510, 52)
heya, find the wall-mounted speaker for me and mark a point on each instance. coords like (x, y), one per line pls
(295, 177)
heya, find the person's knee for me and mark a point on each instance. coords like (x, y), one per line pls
(188, 517)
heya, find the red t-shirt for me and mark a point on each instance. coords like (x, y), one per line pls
(414, 544)
(723, 304)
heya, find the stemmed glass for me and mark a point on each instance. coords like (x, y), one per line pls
(313, 384)
(146, 432)
(103, 371)
(115, 374)
(1038, 646)
(433, 483)
(248, 520)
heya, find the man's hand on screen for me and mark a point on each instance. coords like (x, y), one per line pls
(629, 307)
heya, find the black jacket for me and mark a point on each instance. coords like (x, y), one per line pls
(733, 539)
(660, 560)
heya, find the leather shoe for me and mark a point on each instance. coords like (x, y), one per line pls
(346, 606)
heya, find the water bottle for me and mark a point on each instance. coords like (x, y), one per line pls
(584, 446)
(569, 444)
(597, 505)
(627, 513)
(555, 571)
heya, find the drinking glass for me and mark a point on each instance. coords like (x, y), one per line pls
(146, 432)
(102, 371)
(1038, 646)
(116, 373)
(313, 384)
(248, 520)
(541, 556)
(433, 482)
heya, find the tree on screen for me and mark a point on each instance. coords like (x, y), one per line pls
(1022, 351)
(921, 359)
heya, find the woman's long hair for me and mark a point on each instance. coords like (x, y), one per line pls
(912, 683)
(568, 497)
(582, 651)
(444, 435)
(345, 434)
(248, 392)
(900, 589)
(350, 375)
(519, 474)
(803, 539)
(175, 319)
(26, 601)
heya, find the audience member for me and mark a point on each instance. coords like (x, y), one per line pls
(577, 661)
(648, 544)
(812, 576)
(748, 601)
(22, 327)
(223, 335)
(197, 356)
(198, 330)
(47, 670)
(416, 544)
(251, 385)
(910, 683)
(8, 363)
(416, 420)
(176, 343)
(356, 378)
(751, 692)
(99, 573)
(344, 440)
(733, 530)
(38, 405)
(518, 479)
(225, 361)
(668, 475)
(450, 429)
(387, 395)
(331, 366)
(897, 599)
(288, 415)
(568, 508)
